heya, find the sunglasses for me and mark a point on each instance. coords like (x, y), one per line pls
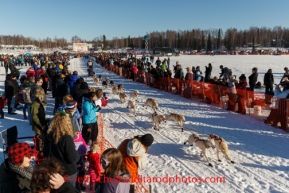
(104, 162)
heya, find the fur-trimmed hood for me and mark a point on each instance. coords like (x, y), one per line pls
(135, 148)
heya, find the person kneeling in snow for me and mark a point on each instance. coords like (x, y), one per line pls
(134, 152)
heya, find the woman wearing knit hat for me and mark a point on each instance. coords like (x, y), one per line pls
(134, 152)
(16, 170)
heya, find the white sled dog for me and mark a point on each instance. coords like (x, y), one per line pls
(157, 120)
(134, 95)
(131, 105)
(122, 97)
(178, 118)
(203, 144)
(152, 103)
(221, 146)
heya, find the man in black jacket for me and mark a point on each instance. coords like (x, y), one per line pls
(253, 78)
(61, 89)
(268, 81)
(10, 93)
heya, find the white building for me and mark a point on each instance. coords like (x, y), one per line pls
(80, 47)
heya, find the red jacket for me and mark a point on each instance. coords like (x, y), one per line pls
(134, 69)
(41, 73)
(30, 72)
(104, 101)
(2, 102)
(94, 162)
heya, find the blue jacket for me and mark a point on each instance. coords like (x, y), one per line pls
(71, 82)
(89, 112)
(35, 67)
(57, 69)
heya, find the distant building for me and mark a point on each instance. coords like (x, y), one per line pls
(80, 47)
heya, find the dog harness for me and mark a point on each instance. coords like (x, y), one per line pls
(217, 138)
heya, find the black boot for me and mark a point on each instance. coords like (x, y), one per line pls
(2, 116)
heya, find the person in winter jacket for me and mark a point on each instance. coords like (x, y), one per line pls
(71, 81)
(225, 73)
(286, 74)
(94, 165)
(134, 152)
(16, 171)
(268, 81)
(48, 177)
(61, 89)
(89, 63)
(41, 72)
(158, 62)
(89, 118)
(10, 93)
(116, 177)
(164, 66)
(189, 74)
(79, 94)
(232, 93)
(179, 72)
(2, 103)
(253, 78)
(35, 66)
(99, 95)
(90, 71)
(74, 115)
(199, 77)
(208, 72)
(39, 123)
(241, 91)
(59, 144)
(26, 92)
(133, 71)
(30, 72)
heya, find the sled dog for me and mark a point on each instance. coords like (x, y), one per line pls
(157, 120)
(203, 144)
(134, 95)
(152, 103)
(122, 97)
(221, 146)
(178, 118)
(131, 105)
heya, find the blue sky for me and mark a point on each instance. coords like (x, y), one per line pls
(114, 18)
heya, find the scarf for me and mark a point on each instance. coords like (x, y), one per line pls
(24, 172)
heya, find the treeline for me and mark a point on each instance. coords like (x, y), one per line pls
(211, 39)
(41, 43)
(196, 39)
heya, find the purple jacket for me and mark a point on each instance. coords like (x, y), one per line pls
(119, 184)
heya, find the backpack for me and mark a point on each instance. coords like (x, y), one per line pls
(26, 95)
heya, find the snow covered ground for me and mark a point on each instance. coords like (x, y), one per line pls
(260, 151)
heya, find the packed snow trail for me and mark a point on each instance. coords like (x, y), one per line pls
(250, 141)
